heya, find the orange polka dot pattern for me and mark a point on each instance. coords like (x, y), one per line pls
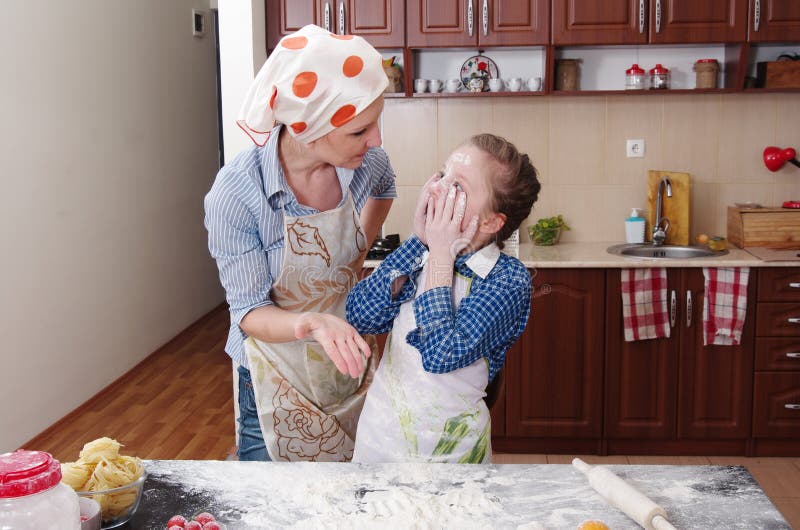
(343, 115)
(313, 81)
(352, 66)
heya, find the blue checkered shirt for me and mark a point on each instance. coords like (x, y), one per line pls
(489, 319)
(244, 219)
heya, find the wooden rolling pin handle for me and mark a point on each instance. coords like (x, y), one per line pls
(659, 523)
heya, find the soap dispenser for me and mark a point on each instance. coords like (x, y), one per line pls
(634, 226)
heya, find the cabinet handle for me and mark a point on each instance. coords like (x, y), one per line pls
(793, 320)
(792, 406)
(341, 18)
(673, 300)
(658, 16)
(688, 308)
(326, 18)
(756, 14)
(793, 355)
(641, 16)
(794, 285)
(485, 17)
(469, 18)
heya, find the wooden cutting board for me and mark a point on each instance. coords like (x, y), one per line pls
(675, 208)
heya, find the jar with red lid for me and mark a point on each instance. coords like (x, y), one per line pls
(706, 71)
(32, 496)
(659, 78)
(634, 78)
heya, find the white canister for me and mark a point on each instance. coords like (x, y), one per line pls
(32, 496)
(634, 227)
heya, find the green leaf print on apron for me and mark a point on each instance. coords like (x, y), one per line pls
(307, 409)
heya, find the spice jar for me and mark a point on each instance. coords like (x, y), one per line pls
(567, 74)
(706, 73)
(32, 495)
(659, 78)
(634, 78)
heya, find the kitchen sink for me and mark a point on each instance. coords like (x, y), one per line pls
(647, 250)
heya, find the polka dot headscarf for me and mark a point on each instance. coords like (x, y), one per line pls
(313, 82)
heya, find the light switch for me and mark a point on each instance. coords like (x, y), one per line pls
(198, 22)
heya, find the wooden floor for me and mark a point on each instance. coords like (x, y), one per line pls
(178, 404)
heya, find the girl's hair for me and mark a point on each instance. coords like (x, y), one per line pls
(515, 187)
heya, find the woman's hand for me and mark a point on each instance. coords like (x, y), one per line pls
(435, 186)
(340, 340)
(443, 219)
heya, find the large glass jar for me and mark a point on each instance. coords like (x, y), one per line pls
(659, 78)
(634, 78)
(32, 496)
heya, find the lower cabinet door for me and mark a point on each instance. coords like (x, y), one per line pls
(554, 380)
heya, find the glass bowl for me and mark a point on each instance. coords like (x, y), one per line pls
(117, 505)
(544, 236)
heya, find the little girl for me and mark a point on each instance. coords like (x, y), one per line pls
(454, 304)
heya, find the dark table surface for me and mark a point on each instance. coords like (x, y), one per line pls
(519, 496)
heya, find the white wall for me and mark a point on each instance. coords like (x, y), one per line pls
(108, 143)
(242, 41)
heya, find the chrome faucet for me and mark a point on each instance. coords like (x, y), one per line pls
(661, 225)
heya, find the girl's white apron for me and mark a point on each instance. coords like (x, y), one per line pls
(411, 415)
(307, 409)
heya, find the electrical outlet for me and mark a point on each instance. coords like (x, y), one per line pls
(635, 148)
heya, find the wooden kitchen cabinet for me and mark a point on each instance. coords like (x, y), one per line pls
(776, 399)
(381, 22)
(554, 374)
(648, 21)
(774, 21)
(477, 23)
(676, 392)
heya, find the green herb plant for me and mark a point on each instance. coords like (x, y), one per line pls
(547, 230)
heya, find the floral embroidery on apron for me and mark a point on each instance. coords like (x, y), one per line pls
(307, 409)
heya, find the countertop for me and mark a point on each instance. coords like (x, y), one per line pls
(594, 255)
(255, 495)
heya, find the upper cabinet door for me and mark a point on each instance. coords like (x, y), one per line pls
(599, 22)
(683, 21)
(381, 22)
(774, 20)
(442, 23)
(513, 22)
(287, 16)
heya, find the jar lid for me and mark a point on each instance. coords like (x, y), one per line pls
(706, 60)
(27, 472)
(635, 69)
(659, 69)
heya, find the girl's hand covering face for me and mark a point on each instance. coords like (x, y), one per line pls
(435, 186)
(445, 212)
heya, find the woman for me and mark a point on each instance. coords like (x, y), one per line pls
(289, 223)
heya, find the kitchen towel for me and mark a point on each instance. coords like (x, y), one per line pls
(644, 303)
(724, 305)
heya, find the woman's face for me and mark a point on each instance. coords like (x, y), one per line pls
(347, 145)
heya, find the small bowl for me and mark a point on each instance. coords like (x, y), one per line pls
(117, 505)
(90, 514)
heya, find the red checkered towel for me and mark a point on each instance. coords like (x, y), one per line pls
(644, 303)
(724, 305)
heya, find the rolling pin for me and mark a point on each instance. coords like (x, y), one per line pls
(622, 495)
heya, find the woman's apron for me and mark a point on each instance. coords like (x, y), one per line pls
(411, 415)
(307, 409)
